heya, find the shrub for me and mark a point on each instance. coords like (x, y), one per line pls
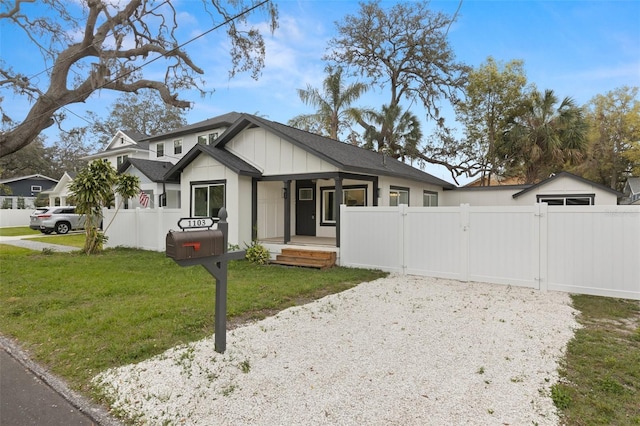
(21, 203)
(258, 254)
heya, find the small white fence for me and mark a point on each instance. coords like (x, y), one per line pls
(587, 249)
(140, 228)
(11, 217)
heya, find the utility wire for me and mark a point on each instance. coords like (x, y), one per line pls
(244, 12)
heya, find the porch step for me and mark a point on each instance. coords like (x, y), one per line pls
(306, 258)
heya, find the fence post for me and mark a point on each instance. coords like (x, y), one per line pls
(542, 213)
(464, 242)
(402, 230)
(161, 228)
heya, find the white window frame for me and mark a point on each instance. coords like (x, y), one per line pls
(177, 147)
(160, 150)
(36, 188)
(429, 198)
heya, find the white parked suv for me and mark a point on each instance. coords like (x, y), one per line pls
(59, 219)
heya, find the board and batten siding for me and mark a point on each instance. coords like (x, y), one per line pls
(273, 155)
(237, 192)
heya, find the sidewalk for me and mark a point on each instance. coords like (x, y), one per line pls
(24, 241)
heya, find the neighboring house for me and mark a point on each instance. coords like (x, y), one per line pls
(560, 189)
(277, 182)
(58, 194)
(631, 191)
(172, 146)
(124, 144)
(161, 192)
(496, 181)
(28, 186)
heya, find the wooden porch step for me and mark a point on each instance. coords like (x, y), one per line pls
(306, 258)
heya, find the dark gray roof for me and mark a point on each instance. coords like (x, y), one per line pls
(570, 175)
(234, 163)
(135, 135)
(154, 170)
(342, 155)
(224, 120)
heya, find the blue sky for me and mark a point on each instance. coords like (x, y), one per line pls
(578, 48)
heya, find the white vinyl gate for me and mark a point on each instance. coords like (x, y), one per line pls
(581, 249)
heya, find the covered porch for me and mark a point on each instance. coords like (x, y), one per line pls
(303, 210)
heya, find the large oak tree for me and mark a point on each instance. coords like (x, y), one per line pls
(104, 45)
(405, 51)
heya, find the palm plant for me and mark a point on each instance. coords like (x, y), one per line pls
(545, 138)
(392, 131)
(93, 189)
(333, 105)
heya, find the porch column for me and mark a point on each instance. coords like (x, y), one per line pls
(287, 211)
(336, 208)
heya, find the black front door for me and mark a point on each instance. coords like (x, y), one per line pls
(305, 208)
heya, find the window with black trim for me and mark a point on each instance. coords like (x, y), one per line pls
(398, 195)
(207, 199)
(567, 200)
(351, 196)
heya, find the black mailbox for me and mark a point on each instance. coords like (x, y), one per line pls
(182, 245)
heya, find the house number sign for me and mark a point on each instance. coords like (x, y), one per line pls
(196, 222)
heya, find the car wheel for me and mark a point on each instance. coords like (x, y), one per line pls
(62, 227)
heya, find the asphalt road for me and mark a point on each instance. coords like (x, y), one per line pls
(26, 400)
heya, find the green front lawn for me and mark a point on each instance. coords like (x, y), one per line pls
(80, 314)
(601, 370)
(15, 231)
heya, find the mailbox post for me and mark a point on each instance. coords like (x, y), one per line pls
(209, 249)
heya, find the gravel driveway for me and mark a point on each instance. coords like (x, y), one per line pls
(401, 350)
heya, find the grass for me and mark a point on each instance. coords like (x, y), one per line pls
(73, 240)
(600, 375)
(79, 315)
(15, 231)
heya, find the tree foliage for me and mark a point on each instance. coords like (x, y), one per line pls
(545, 138)
(405, 51)
(395, 132)
(64, 155)
(333, 105)
(93, 188)
(104, 45)
(493, 97)
(613, 138)
(143, 112)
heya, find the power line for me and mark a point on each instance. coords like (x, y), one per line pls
(244, 12)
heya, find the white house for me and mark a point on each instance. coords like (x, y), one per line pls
(560, 189)
(279, 183)
(124, 144)
(631, 191)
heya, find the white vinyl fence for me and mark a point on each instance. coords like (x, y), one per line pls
(11, 217)
(585, 249)
(140, 228)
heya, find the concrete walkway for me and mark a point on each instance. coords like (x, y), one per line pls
(26, 242)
